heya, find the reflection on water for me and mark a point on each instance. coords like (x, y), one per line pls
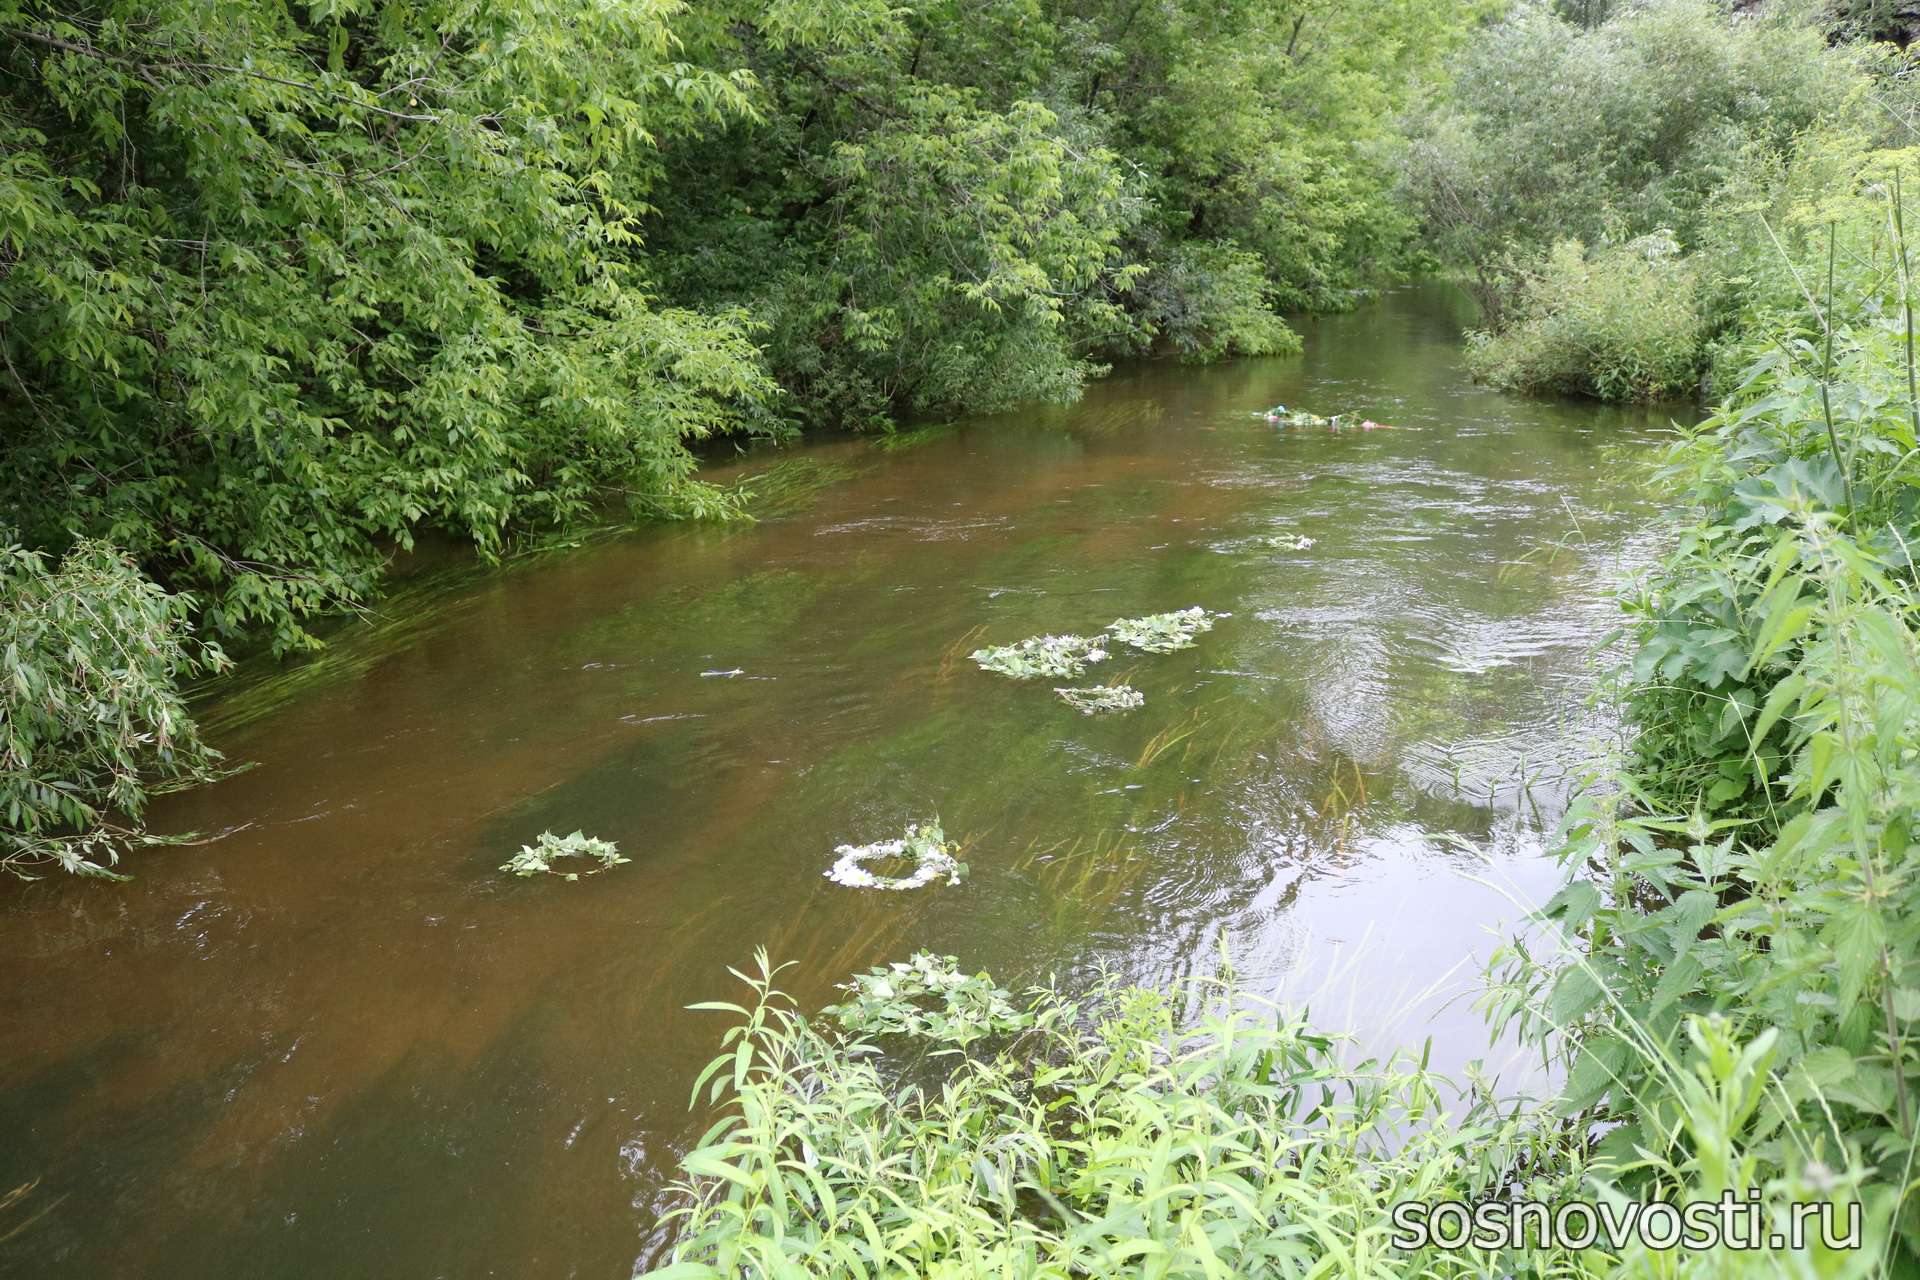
(339, 1042)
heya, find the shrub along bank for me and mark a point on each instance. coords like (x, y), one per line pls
(1592, 173)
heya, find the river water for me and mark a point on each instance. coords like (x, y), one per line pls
(338, 1042)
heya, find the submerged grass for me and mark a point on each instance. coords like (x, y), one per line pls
(1170, 737)
(1091, 872)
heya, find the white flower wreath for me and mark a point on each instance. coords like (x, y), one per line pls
(926, 845)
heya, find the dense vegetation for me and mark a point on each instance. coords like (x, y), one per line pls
(1094, 1135)
(1757, 860)
(92, 656)
(1596, 174)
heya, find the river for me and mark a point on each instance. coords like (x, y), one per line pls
(339, 1042)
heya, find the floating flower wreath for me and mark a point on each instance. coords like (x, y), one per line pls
(1163, 632)
(1052, 656)
(926, 845)
(537, 859)
(1101, 697)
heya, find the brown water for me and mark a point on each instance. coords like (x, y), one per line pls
(338, 1042)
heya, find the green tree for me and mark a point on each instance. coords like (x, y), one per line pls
(286, 284)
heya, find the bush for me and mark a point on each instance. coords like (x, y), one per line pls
(949, 256)
(92, 657)
(934, 1124)
(1206, 301)
(1551, 130)
(1624, 323)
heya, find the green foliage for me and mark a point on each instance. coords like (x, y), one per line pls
(284, 287)
(1624, 323)
(1206, 301)
(537, 859)
(92, 657)
(928, 998)
(1084, 1136)
(946, 206)
(1755, 861)
(1550, 130)
(912, 239)
(1270, 127)
(965, 257)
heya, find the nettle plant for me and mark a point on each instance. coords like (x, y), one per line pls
(538, 858)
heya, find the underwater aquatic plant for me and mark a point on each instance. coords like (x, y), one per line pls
(1102, 697)
(1163, 632)
(1050, 656)
(926, 845)
(537, 859)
